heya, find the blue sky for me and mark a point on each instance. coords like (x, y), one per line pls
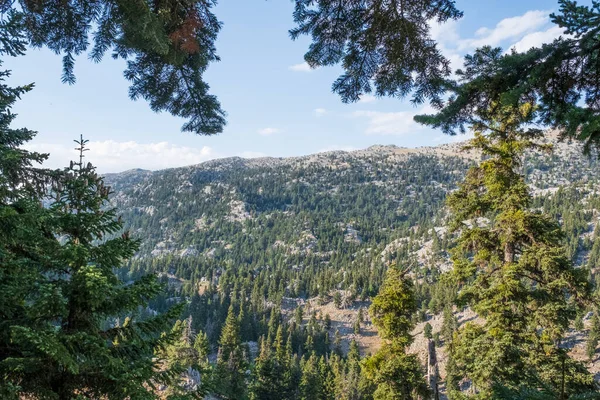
(276, 106)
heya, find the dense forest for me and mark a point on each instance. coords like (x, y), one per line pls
(302, 245)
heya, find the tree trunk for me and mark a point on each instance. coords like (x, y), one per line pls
(432, 370)
(509, 252)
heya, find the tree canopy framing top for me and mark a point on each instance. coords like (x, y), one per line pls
(385, 44)
(168, 45)
(562, 77)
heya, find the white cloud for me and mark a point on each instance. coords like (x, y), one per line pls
(536, 39)
(444, 32)
(447, 37)
(367, 98)
(268, 131)
(508, 29)
(319, 112)
(302, 67)
(524, 31)
(463, 137)
(388, 123)
(392, 123)
(113, 156)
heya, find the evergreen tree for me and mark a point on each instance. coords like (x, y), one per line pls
(337, 343)
(396, 374)
(63, 341)
(268, 376)
(427, 331)
(327, 322)
(311, 383)
(356, 328)
(513, 270)
(593, 337)
(285, 365)
(337, 299)
(229, 380)
(449, 323)
(562, 76)
(353, 354)
(181, 355)
(24, 240)
(393, 307)
(202, 347)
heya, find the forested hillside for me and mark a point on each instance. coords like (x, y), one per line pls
(312, 237)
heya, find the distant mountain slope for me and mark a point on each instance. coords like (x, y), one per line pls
(294, 231)
(373, 195)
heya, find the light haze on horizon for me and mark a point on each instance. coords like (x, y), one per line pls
(276, 105)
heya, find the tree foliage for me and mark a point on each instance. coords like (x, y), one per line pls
(562, 76)
(512, 269)
(380, 44)
(394, 373)
(61, 299)
(168, 46)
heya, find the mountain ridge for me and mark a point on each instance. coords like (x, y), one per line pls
(452, 149)
(375, 149)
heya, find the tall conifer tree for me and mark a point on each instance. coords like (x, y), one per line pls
(396, 374)
(512, 269)
(63, 342)
(229, 379)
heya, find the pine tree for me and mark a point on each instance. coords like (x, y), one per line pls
(337, 299)
(202, 347)
(298, 316)
(396, 374)
(229, 380)
(449, 323)
(393, 307)
(64, 340)
(26, 294)
(285, 365)
(309, 345)
(562, 76)
(327, 322)
(267, 378)
(311, 383)
(337, 343)
(357, 326)
(353, 354)
(181, 355)
(593, 337)
(427, 331)
(594, 255)
(512, 269)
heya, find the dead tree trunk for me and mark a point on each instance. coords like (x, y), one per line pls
(432, 370)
